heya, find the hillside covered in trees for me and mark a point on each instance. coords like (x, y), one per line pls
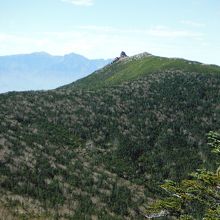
(100, 147)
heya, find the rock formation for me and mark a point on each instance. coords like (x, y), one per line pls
(122, 56)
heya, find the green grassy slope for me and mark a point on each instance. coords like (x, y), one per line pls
(97, 148)
(139, 66)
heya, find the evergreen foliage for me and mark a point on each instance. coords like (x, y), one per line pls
(98, 148)
(197, 197)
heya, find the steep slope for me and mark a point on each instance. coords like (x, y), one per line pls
(97, 148)
(44, 71)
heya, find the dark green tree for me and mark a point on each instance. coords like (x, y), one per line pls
(197, 197)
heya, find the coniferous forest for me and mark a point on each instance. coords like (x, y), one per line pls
(130, 141)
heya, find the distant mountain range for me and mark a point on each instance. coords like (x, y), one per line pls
(40, 70)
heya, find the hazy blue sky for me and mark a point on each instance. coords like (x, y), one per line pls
(102, 28)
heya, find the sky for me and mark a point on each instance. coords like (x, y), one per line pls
(103, 28)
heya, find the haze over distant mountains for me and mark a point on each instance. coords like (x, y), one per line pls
(40, 70)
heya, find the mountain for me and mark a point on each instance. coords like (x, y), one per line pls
(41, 70)
(99, 147)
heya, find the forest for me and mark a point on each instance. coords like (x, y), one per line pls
(101, 148)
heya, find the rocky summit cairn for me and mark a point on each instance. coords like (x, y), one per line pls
(122, 56)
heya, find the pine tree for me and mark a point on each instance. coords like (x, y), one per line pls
(197, 197)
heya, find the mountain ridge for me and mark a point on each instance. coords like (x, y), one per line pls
(40, 70)
(137, 66)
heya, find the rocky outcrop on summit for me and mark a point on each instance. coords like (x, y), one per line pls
(122, 56)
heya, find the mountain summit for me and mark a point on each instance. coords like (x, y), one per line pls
(130, 68)
(122, 56)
